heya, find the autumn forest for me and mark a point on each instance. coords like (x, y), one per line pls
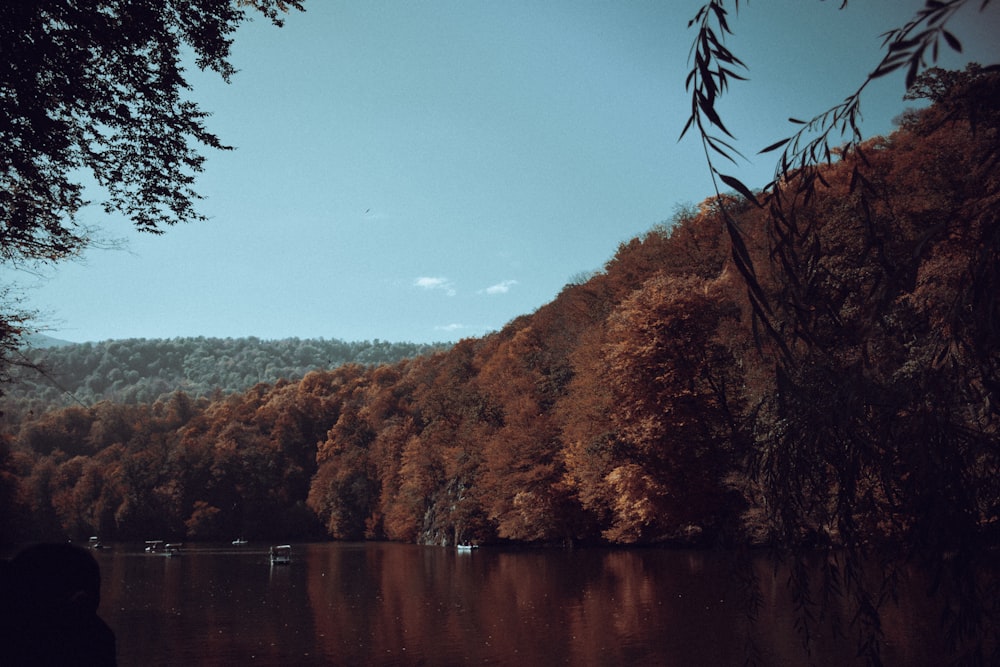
(855, 397)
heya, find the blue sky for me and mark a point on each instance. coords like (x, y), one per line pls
(429, 171)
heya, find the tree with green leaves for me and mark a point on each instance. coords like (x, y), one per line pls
(95, 94)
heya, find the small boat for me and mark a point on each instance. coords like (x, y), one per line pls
(280, 555)
(154, 546)
(239, 541)
(171, 550)
(95, 543)
(466, 547)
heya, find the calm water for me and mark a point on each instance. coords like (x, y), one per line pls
(392, 604)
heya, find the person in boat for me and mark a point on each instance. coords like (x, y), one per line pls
(50, 594)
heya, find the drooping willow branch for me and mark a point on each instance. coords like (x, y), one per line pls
(907, 47)
(790, 461)
(713, 66)
(915, 46)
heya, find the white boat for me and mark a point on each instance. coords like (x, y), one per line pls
(95, 543)
(172, 549)
(466, 547)
(280, 555)
(239, 541)
(154, 546)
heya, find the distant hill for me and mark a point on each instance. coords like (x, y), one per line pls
(139, 370)
(40, 341)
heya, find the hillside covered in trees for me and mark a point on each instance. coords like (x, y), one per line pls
(135, 370)
(649, 404)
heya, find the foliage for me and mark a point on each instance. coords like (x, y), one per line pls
(827, 136)
(94, 94)
(850, 451)
(146, 370)
(639, 407)
(714, 66)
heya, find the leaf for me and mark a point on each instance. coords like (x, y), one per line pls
(886, 67)
(904, 44)
(687, 126)
(775, 146)
(911, 74)
(952, 41)
(713, 117)
(861, 154)
(719, 147)
(734, 75)
(738, 185)
(720, 17)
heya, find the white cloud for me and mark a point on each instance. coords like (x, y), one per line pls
(501, 287)
(465, 329)
(429, 283)
(432, 283)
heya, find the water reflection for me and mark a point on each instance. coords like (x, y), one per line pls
(390, 604)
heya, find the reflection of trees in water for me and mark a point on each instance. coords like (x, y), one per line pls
(205, 608)
(389, 603)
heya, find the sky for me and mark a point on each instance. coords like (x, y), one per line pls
(428, 171)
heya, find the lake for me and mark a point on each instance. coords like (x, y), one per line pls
(395, 604)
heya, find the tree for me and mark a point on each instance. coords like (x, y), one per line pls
(96, 90)
(714, 67)
(880, 437)
(674, 386)
(964, 97)
(11, 508)
(522, 469)
(881, 443)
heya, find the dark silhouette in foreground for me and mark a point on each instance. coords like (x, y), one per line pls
(50, 594)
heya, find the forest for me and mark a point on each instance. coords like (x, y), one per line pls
(653, 403)
(49, 374)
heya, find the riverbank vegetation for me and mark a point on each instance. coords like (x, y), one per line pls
(640, 406)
